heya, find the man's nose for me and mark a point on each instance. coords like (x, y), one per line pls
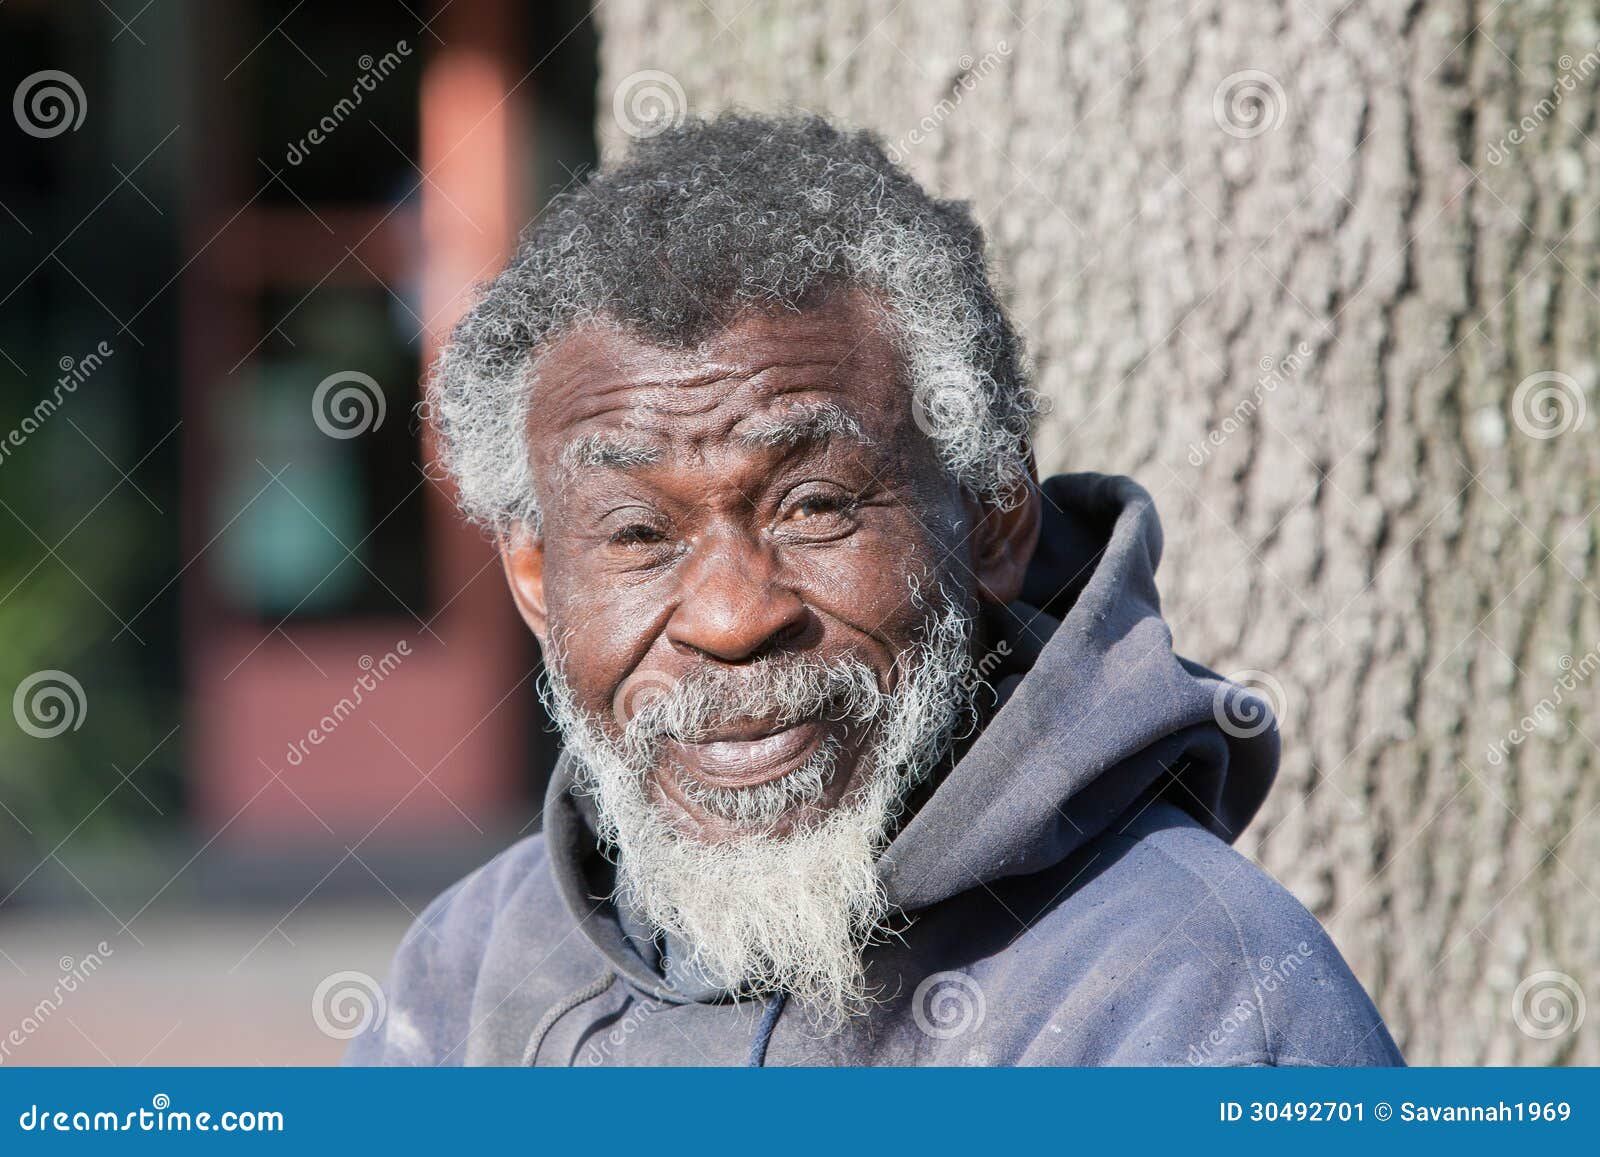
(733, 606)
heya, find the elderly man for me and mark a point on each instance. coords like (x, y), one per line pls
(876, 748)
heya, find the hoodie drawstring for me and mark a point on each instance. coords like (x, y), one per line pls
(597, 986)
(560, 1009)
(769, 1021)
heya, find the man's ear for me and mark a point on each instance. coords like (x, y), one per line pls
(1004, 540)
(522, 556)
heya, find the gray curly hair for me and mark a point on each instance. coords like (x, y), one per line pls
(712, 217)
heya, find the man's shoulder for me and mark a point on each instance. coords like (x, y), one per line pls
(1182, 874)
(460, 919)
(437, 969)
(1188, 952)
(492, 885)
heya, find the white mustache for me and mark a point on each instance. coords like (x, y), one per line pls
(779, 692)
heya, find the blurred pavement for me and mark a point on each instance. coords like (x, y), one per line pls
(205, 987)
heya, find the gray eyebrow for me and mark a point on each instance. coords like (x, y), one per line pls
(812, 422)
(611, 452)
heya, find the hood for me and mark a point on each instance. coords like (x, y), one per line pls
(1103, 717)
(1097, 717)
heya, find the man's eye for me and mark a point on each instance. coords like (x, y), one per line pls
(821, 516)
(637, 535)
(816, 505)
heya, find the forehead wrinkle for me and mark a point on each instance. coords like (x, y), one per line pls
(692, 394)
(754, 411)
(601, 360)
(665, 369)
(647, 405)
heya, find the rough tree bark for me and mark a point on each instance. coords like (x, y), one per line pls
(1287, 264)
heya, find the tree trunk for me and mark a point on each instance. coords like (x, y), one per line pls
(1321, 276)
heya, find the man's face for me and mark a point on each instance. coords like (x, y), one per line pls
(713, 512)
(755, 586)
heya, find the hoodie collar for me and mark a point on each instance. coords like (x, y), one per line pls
(1105, 714)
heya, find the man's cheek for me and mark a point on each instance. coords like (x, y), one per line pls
(593, 658)
(871, 587)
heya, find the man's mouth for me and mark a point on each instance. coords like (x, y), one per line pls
(748, 755)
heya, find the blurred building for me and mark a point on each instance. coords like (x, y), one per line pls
(301, 200)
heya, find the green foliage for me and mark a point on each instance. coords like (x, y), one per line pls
(80, 549)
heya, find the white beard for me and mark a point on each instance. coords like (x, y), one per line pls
(768, 912)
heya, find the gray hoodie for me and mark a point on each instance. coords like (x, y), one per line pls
(1069, 894)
